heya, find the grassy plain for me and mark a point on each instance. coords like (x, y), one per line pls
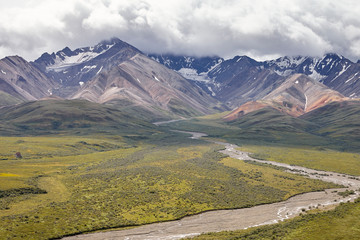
(65, 185)
(315, 158)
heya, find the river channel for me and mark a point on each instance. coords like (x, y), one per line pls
(221, 220)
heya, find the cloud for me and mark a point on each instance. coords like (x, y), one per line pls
(260, 29)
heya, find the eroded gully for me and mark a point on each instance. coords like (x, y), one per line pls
(222, 220)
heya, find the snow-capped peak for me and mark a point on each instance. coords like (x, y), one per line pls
(65, 58)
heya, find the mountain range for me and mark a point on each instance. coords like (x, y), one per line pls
(155, 87)
(111, 72)
(241, 79)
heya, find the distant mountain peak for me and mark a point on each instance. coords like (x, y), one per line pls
(76, 67)
(66, 50)
(66, 57)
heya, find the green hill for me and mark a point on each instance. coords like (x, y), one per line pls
(6, 99)
(68, 116)
(335, 125)
(337, 120)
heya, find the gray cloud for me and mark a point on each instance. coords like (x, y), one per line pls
(260, 29)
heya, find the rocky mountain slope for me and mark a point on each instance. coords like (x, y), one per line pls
(114, 72)
(333, 70)
(149, 84)
(193, 68)
(242, 79)
(118, 73)
(20, 81)
(71, 69)
(297, 95)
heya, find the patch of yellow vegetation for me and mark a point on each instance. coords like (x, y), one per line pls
(192, 152)
(215, 116)
(8, 175)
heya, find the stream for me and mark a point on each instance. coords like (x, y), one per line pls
(223, 220)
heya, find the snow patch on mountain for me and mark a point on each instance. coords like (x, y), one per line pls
(288, 62)
(351, 78)
(284, 73)
(212, 92)
(63, 61)
(353, 95)
(88, 68)
(191, 74)
(66, 58)
(317, 76)
(99, 70)
(341, 72)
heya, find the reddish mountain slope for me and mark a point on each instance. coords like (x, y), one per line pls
(297, 95)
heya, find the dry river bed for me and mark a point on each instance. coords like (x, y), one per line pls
(221, 220)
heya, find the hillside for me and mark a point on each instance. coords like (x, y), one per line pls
(339, 120)
(72, 116)
(74, 67)
(297, 95)
(116, 73)
(20, 81)
(150, 85)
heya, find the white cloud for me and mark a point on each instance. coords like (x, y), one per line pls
(257, 28)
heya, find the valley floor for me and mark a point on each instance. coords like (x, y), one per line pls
(229, 220)
(66, 185)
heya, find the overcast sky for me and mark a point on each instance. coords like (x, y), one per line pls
(261, 29)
